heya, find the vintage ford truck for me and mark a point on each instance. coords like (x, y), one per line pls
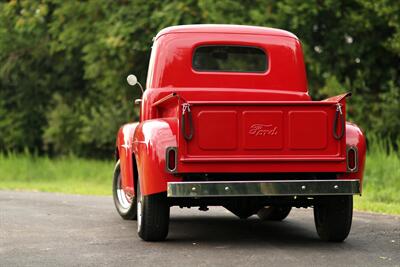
(226, 120)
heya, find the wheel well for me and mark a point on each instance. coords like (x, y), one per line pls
(116, 154)
(135, 172)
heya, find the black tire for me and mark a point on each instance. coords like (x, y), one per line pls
(273, 213)
(333, 216)
(153, 216)
(125, 206)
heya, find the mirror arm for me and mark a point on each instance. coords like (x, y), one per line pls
(141, 87)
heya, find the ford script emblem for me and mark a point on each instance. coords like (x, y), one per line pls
(263, 129)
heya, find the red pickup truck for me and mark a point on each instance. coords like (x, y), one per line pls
(226, 120)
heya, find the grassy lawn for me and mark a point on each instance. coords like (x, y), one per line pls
(82, 176)
(381, 188)
(66, 175)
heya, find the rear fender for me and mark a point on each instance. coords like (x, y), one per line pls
(356, 138)
(151, 140)
(126, 157)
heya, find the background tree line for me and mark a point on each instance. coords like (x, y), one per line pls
(63, 64)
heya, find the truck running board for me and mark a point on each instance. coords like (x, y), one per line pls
(264, 188)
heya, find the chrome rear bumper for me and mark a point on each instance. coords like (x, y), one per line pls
(264, 188)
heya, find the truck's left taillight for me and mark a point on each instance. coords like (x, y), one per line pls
(171, 159)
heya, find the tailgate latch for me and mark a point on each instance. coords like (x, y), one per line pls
(339, 108)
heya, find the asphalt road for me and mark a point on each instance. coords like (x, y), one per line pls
(44, 229)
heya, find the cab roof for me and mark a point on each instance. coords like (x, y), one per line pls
(225, 28)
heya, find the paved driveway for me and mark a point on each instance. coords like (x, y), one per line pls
(45, 229)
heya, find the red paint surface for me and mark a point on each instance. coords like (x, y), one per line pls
(243, 122)
(124, 144)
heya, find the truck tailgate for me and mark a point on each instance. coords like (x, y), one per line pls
(230, 134)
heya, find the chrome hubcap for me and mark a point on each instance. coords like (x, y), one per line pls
(139, 209)
(124, 200)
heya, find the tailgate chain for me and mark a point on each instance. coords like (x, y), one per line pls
(186, 110)
(338, 115)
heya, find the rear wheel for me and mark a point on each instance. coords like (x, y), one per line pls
(333, 216)
(273, 213)
(125, 204)
(153, 216)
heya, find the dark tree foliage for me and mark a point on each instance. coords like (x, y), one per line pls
(63, 64)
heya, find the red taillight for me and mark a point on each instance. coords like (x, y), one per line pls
(171, 159)
(352, 159)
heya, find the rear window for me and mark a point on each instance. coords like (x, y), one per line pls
(230, 59)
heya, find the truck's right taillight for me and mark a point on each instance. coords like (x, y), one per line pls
(352, 159)
(171, 159)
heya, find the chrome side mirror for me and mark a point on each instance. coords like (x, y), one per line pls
(132, 81)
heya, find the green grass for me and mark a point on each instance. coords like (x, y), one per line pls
(82, 176)
(381, 185)
(67, 175)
